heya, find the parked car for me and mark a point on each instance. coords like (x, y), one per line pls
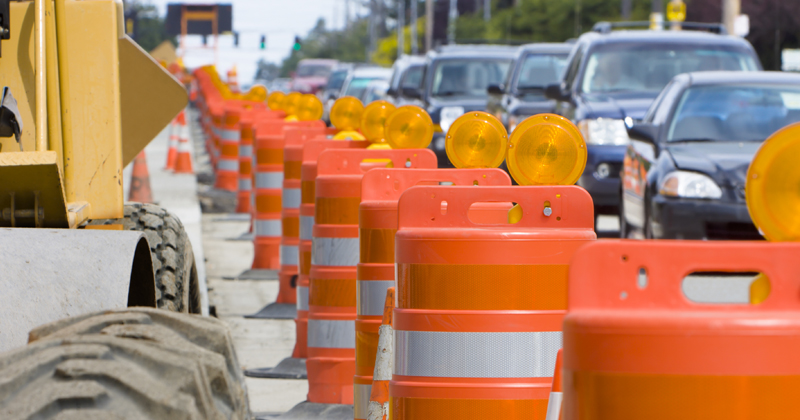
(330, 93)
(522, 93)
(312, 75)
(375, 91)
(456, 79)
(359, 78)
(611, 80)
(407, 73)
(685, 167)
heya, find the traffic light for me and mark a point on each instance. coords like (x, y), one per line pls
(297, 44)
(263, 42)
(236, 39)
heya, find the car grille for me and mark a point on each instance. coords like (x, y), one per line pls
(733, 231)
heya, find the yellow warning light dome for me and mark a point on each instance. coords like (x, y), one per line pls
(275, 100)
(346, 113)
(310, 108)
(257, 93)
(373, 121)
(409, 127)
(476, 140)
(772, 188)
(291, 102)
(546, 149)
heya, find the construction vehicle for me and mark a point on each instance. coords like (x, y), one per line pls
(79, 101)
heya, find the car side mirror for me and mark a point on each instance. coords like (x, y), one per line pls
(647, 133)
(391, 92)
(495, 89)
(556, 93)
(411, 92)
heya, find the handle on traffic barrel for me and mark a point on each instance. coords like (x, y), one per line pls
(387, 184)
(551, 206)
(348, 161)
(604, 274)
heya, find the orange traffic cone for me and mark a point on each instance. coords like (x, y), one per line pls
(140, 181)
(174, 138)
(556, 393)
(378, 408)
(183, 160)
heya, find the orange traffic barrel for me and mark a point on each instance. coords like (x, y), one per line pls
(217, 110)
(290, 216)
(637, 347)
(380, 190)
(334, 257)
(247, 134)
(308, 176)
(479, 306)
(228, 163)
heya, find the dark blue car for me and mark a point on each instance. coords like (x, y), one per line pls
(612, 78)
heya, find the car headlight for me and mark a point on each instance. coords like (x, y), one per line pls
(448, 115)
(604, 131)
(689, 185)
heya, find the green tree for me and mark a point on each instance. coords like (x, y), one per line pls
(150, 30)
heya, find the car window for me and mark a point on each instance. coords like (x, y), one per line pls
(649, 67)
(734, 112)
(412, 78)
(357, 86)
(467, 78)
(574, 66)
(668, 98)
(540, 70)
(313, 70)
(336, 80)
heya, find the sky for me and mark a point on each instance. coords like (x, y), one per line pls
(279, 20)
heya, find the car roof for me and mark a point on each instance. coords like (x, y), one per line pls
(378, 72)
(657, 37)
(545, 47)
(738, 77)
(478, 50)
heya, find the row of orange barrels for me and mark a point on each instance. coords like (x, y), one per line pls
(482, 305)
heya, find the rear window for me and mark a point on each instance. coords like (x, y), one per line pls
(357, 86)
(541, 70)
(617, 68)
(468, 78)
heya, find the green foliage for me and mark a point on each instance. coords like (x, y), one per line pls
(347, 45)
(150, 28)
(386, 52)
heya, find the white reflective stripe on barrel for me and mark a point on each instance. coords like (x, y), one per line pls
(476, 354)
(228, 165)
(335, 251)
(332, 334)
(361, 400)
(302, 298)
(554, 406)
(184, 146)
(268, 227)
(229, 135)
(371, 296)
(245, 150)
(269, 180)
(306, 227)
(291, 198)
(289, 254)
(245, 184)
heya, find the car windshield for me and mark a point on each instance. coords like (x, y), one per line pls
(357, 86)
(648, 67)
(468, 78)
(734, 113)
(413, 77)
(540, 70)
(313, 70)
(336, 80)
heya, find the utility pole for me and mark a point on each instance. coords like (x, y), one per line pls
(414, 48)
(347, 14)
(730, 10)
(373, 12)
(451, 22)
(487, 10)
(626, 9)
(401, 23)
(428, 25)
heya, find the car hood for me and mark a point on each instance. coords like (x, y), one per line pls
(435, 107)
(725, 162)
(617, 107)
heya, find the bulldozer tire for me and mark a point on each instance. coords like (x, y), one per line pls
(177, 287)
(136, 363)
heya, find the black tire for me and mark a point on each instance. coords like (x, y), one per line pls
(139, 363)
(177, 286)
